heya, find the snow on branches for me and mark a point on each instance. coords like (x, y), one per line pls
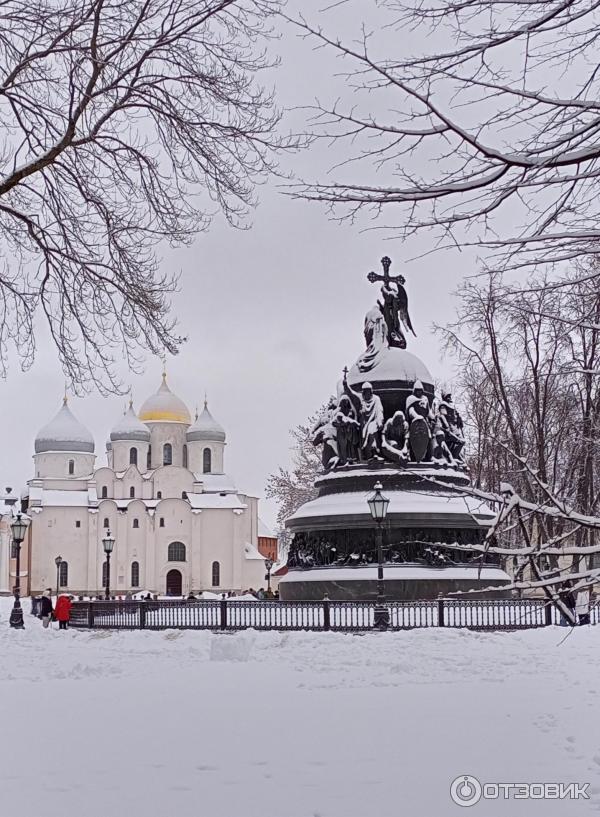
(484, 116)
(292, 487)
(124, 124)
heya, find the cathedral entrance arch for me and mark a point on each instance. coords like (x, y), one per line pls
(174, 583)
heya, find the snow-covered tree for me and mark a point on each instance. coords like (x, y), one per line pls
(123, 123)
(530, 393)
(292, 487)
(477, 123)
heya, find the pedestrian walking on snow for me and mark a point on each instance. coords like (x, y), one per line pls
(46, 609)
(62, 613)
(583, 606)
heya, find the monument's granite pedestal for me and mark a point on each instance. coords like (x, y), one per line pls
(402, 582)
(334, 551)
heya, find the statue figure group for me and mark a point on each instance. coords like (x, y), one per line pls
(353, 429)
(435, 431)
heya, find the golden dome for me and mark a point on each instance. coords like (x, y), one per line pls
(164, 407)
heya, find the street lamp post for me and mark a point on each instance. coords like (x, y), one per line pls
(58, 562)
(108, 544)
(378, 505)
(269, 566)
(18, 529)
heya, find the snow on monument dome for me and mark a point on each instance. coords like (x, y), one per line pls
(64, 433)
(206, 428)
(130, 428)
(164, 407)
(392, 364)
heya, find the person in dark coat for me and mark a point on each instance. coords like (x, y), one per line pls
(568, 599)
(46, 609)
(62, 613)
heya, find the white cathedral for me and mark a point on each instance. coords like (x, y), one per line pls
(179, 522)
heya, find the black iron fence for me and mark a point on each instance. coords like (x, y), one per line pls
(343, 616)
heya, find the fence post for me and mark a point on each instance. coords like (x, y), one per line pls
(223, 613)
(326, 613)
(90, 612)
(142, 610)
(548, 615)
(441, 612)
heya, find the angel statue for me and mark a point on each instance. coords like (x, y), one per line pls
(394, 305)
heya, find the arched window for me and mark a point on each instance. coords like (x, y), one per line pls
(185, 456)
(136, 523)
(132, 492)
(176, 552)
(206, 460)
(63, 574)
(216, 574)
(133, 456)
(149, 458)
(104, 492)
(71, 467)
(161, 522)
(105, 523)
(167, 454)
(159, 494)
(135, 574)
(104, 573)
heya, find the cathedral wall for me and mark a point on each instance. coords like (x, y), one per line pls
(131, 479)
(210, 535)
(196, 456)
(56, 464)
(130, 545)
(54, 533)
(177, 517)
(104, 477)
(219, 543)
(251, 519)
(107, 509)
(171, 433)
(6, 581)
(171, 481)
(121, 454)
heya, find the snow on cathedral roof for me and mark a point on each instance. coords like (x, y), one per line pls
(130, 427)
(206, 428)
(64, 433)
(164, 407)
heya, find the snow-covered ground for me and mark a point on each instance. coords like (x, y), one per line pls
(146, 724)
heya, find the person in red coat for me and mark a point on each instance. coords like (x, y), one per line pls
(62, 612)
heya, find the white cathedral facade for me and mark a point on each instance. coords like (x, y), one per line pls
(179, 522)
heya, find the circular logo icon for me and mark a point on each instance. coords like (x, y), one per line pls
(466, 790)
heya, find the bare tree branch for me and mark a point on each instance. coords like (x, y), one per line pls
(491, 136)
(123, 123)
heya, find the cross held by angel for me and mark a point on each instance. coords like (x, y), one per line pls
(394, 304)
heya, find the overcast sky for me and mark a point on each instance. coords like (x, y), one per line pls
(272, 313)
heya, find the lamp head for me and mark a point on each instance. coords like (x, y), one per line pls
(108, 542)
(378, 503)
(18, 528)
